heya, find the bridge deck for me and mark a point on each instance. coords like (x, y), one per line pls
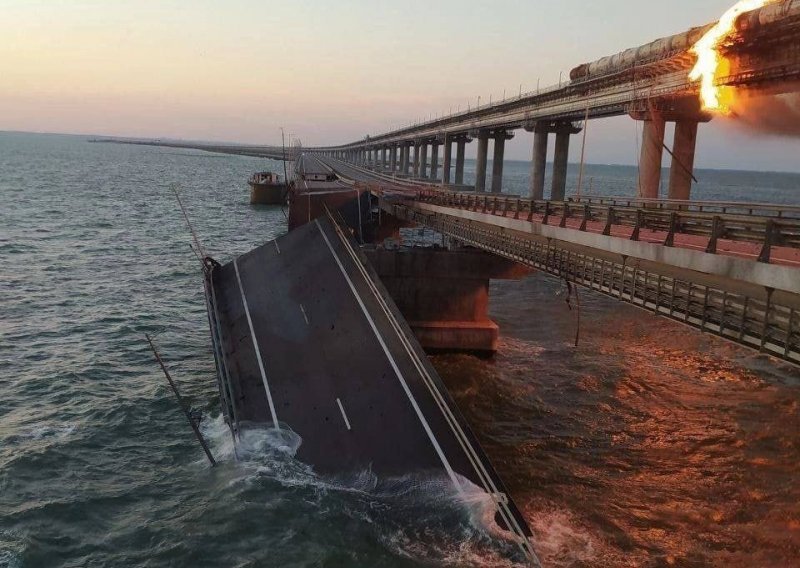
(310, 341)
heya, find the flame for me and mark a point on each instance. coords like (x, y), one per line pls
(709, 59)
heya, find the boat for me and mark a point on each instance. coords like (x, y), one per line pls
(266, 188)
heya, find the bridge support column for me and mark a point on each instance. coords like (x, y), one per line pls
(415, 168)
(461, 144)
(434, 160)
(444, 295)
(383, 158)
(393, 158)
(480, 167)
(651, 156)
(498, 158)
(539, 161)
(448, 152)
(423, 160)
(558, 191)
(683, 148)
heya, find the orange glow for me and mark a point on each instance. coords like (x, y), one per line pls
(709, 61)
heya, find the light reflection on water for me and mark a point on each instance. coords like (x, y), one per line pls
(650, 444)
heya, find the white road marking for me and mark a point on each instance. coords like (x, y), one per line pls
(305, 316)
(277, 248)
(341, 408)
(393, 363)
(255, 345)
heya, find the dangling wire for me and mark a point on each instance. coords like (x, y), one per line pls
(572, 289)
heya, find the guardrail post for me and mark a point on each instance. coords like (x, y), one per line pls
(637, 227)
(564, 215)
(717, 230)
(517, 208)
(587, 213)
(609, 221)
(546, 212)
(771, 237)
(674, 221)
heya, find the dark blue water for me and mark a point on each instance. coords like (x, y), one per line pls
(649, 444)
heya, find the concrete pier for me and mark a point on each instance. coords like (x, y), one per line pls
(444, 294)
(461, 144)
(498, 158)
(480, 167)
(539, 161)
(560, 162)
(683, 148)
(393, 158)
(383, 158)
(423, 161)
(434, 160)
(405, 164)
(415, 168)
(448, 152)
(651, 156)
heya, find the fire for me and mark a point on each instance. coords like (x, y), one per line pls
(709, 59)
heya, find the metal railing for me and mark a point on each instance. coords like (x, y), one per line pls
(762, 318)
(768, 230)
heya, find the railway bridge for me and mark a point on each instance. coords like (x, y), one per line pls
(649, 83)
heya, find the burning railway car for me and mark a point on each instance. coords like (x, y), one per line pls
(677, 45)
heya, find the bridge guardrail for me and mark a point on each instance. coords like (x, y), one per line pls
(768, 322)
(768, 231)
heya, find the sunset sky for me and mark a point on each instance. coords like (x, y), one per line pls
(328, 71)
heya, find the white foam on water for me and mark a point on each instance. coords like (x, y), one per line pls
(11, 548)
(560, 540)
(420, 516)
(43, 431)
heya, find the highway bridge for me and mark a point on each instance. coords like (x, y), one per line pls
(730, 269)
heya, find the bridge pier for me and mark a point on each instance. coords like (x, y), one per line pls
(500, 137)
(539, 161)
(461, 144)
(415, 167)
(651, 156)
(423, 160)
(444, 294)
(682, 169)
(563, 130)
(434, 160)
(686, 114)
(541, 132)
(383, 157)
(480, 166)
(393, 158)
(448, 152)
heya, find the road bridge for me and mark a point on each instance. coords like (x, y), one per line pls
(730, 269)
(649, 83)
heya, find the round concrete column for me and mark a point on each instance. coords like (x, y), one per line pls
(683, 148)
(652, 153)
(480, 167)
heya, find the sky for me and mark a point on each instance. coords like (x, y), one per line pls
(329, 71)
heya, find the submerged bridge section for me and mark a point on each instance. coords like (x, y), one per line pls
(308, 341)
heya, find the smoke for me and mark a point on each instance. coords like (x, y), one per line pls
(768, 112)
